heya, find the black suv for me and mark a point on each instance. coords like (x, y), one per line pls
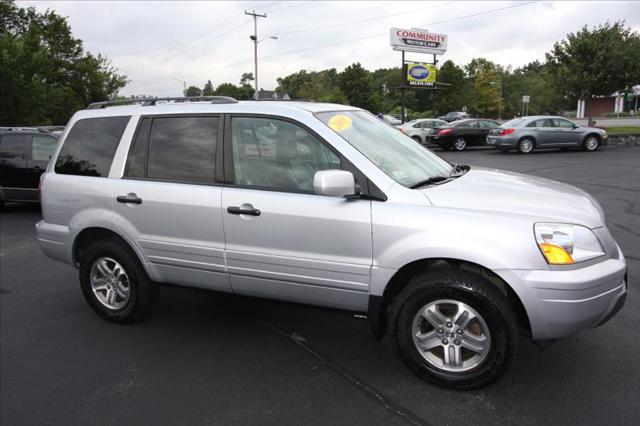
(24, 155)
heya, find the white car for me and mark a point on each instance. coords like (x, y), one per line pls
(422, 128)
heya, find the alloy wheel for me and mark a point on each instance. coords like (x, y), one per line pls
(526, 146)
(110, 283)
(451, 335)
(591, 144)
(460, 144)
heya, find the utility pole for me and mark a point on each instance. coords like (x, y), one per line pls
(254, 37)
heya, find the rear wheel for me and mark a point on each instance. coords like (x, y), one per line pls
(114, 283)
(417, 139)
(460, 144)
(454, 329)
(591, 143)
(526, 145)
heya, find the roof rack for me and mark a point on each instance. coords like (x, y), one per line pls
(152, 101)
(41, 129)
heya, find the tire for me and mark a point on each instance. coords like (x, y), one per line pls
(591, 143)
(417, 139)
(495, 319)
(460, 144)
(141, 293)
(526, 145)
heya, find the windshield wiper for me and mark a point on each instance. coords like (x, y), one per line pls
(431, 180)
(456, 171)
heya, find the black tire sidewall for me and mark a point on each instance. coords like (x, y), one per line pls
(132, 268)
(501, 327)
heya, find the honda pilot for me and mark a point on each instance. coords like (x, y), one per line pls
(326, 205)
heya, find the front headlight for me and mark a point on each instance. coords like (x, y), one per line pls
(564, 244)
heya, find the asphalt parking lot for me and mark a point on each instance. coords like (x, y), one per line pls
(204, 358)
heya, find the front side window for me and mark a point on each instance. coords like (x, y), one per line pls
(177, 149)
(90, 146)
(13, 146)
(397, 155)
(559, 122)
(276, 154)
(42, 147)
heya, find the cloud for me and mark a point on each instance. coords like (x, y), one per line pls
(160, 44)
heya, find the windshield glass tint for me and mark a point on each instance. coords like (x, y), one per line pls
(403, 159)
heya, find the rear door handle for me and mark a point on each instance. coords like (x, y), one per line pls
(238, 210)
(130, 198)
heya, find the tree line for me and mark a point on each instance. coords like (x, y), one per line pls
(46, 75)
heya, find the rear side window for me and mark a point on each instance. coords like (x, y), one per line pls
(90, 146)
(13, 146)
(178, 149)
(42, 147)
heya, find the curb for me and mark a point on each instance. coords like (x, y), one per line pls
(631, 140)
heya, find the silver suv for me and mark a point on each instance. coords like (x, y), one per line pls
(327, 205)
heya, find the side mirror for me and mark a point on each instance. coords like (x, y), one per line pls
(334, 183)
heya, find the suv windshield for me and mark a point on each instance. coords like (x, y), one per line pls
(399, 156)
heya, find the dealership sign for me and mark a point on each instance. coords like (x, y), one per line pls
(418, 41)
(420, 74)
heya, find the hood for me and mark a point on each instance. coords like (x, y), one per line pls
(514, 193)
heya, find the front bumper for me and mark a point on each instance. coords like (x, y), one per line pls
(560, 303)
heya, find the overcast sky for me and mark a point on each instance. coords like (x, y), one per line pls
(158, 43)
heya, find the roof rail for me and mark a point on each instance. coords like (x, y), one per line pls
(152, 101)
(42, 129)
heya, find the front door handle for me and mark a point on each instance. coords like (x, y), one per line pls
(239, 210)
(130, 198)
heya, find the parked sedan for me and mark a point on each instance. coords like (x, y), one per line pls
(528, 133)
(454, 116)
(463, 133)
(422, 129)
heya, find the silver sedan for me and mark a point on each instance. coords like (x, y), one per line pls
(528, 133)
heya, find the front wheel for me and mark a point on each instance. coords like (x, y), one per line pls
(454, 329)
(591, 143)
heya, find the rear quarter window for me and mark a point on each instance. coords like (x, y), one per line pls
(90, 146)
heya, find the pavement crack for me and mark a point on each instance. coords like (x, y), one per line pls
(371, 392)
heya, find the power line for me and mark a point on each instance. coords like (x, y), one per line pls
(353, 40)
(375, 18)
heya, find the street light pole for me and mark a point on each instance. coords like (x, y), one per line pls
(254, 37)
(184, 83)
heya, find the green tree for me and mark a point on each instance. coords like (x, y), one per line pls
(453, 91)
(207, 90)
(246, 78)
(45, 74)
(194, 91)
(596, 62)
(357, 84)
(486, 77)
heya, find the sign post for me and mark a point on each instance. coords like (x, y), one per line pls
(418, 75)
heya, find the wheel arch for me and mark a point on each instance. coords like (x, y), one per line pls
(92, 234)
(379, 305)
